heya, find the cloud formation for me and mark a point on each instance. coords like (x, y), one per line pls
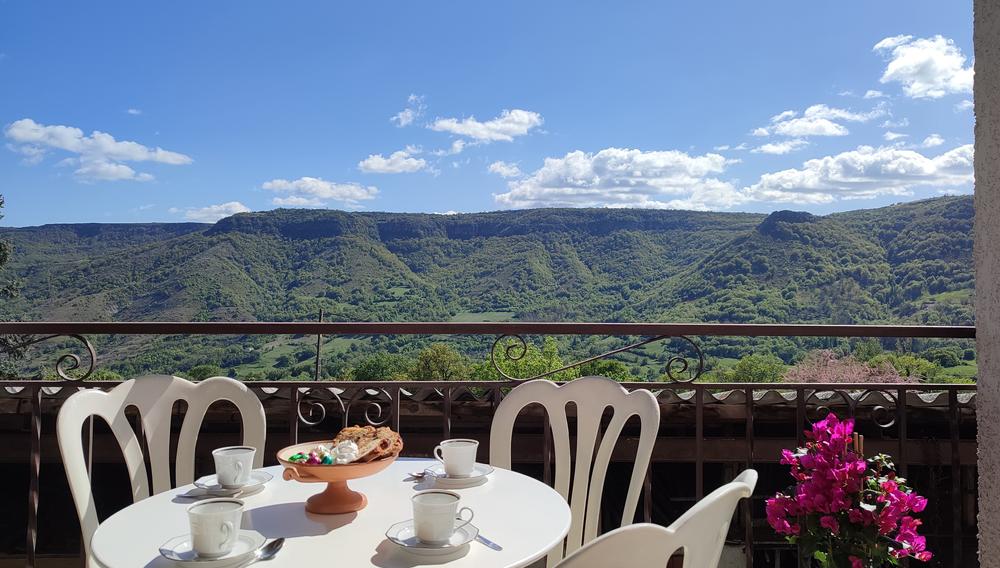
(783, 147)
(622, 177)
(505, 169)
(317, 192)
(415, 108)
(925, 67)
(212, 213)
(932, 141)
(399, 162)
(817, 120)
(97, 157)
(507, 126)
(864, 173)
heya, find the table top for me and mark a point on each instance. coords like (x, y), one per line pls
(526, 517)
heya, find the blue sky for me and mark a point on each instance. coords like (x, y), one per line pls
(173, 111)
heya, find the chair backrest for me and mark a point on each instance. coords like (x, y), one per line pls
(154, 397)
(700, 532)
(592, 396)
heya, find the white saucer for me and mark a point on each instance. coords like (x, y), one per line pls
(403, 535)
(179, 550)
(480, 471)
(210, 483)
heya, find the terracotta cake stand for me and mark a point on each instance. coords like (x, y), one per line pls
(337, 498)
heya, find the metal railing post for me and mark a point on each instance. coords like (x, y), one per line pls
(34, 468)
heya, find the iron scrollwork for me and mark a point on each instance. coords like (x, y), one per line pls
(312, 412)
(679, 369)
(66, 363)
(882, 417)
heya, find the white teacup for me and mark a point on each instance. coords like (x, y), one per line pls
(215, 525)
(458, 456)
(436, 515)
(233, 465)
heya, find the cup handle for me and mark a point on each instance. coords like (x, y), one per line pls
(437, 454)
(228, 534)
(458, 517)
(238, 466)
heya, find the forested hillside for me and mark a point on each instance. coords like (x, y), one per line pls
(906, 263)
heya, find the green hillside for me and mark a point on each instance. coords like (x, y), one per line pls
(906, 263)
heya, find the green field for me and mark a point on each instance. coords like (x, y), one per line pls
(483, 316)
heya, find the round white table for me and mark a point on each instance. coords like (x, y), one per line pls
(524, 516)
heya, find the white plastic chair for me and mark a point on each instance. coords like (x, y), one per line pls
(592, 395)
(154, 397)
(700, 532)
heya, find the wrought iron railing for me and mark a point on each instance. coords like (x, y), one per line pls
(927, 427)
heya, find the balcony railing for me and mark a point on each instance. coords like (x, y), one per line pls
(708, 430)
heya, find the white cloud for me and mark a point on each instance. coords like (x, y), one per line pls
(783, 147)
(901, 123)
(317, 192)
(925, 67)
(399, 162)
(505, 169)
(456, 148)
(134, 111)
(964, 105)
(212, 213)
(784, 115)
(415, 108)
(97, 156)
(873, 94)
(32, 154)
(620, 177)
(506, 127)
(890, 135)
(932, 141)
(817, 120)
(865, 173)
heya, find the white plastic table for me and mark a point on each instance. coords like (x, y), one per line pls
(526, 517)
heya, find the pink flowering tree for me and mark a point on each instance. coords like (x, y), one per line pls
(843, 510)
(825, 366)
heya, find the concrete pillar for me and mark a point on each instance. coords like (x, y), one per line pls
(987, 260)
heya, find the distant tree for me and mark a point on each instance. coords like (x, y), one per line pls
(105, 375)
(10, 349)
(825, 366)
(202, 372)
(439, 362)
(529, 362)
(756, 368)
(381, 367)
(911, 366)
(867, 350)
(608, 368)
(283, 361)
(950, 356)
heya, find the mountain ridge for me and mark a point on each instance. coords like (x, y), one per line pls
(907, 263)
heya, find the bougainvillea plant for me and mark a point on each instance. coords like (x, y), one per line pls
(846, 511)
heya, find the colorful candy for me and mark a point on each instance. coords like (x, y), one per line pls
(344, 453)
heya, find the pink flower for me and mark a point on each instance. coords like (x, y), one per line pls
(829, 522)
(833, 484)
